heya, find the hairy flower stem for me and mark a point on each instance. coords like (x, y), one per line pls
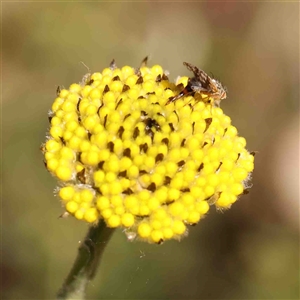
(86, 263)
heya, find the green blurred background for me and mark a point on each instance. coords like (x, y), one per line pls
(250, 251)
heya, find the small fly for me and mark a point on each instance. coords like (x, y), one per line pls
(203, 84)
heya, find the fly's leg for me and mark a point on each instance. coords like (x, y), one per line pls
(185, 92)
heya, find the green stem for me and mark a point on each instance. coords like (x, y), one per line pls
(86, 263)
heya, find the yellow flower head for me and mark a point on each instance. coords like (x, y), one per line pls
(121, 154)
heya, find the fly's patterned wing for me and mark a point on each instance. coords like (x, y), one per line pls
(204, 80)
(199, 75)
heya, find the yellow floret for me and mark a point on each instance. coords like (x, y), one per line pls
(194, 217)
(127, 71)
(224, 200)
(52, 164)
(144, 230)
(176, 208)
(91, 215)
(174, 193)
(187, 199)
(237, 189)
(167, 233)
(86, 195)
(71, 207)
(157, 236)
(67, 193)
(64, 173)
(119, 210)
(179, 227)
(79, 214)
(103, 203)
(114, 221)
(133, 172)
(127, 220)
(115, 188)
(55, 121)
(143, 210)
(67, 153)
(95, 94)
(56, 132)
(106, 213)
(99, 177)
(68, 106)
(209, 191)
(110, 177)
(202, 207)
(92, 158)
(57, 104)
(75, 88)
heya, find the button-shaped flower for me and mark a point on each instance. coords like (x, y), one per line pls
(121, 154)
